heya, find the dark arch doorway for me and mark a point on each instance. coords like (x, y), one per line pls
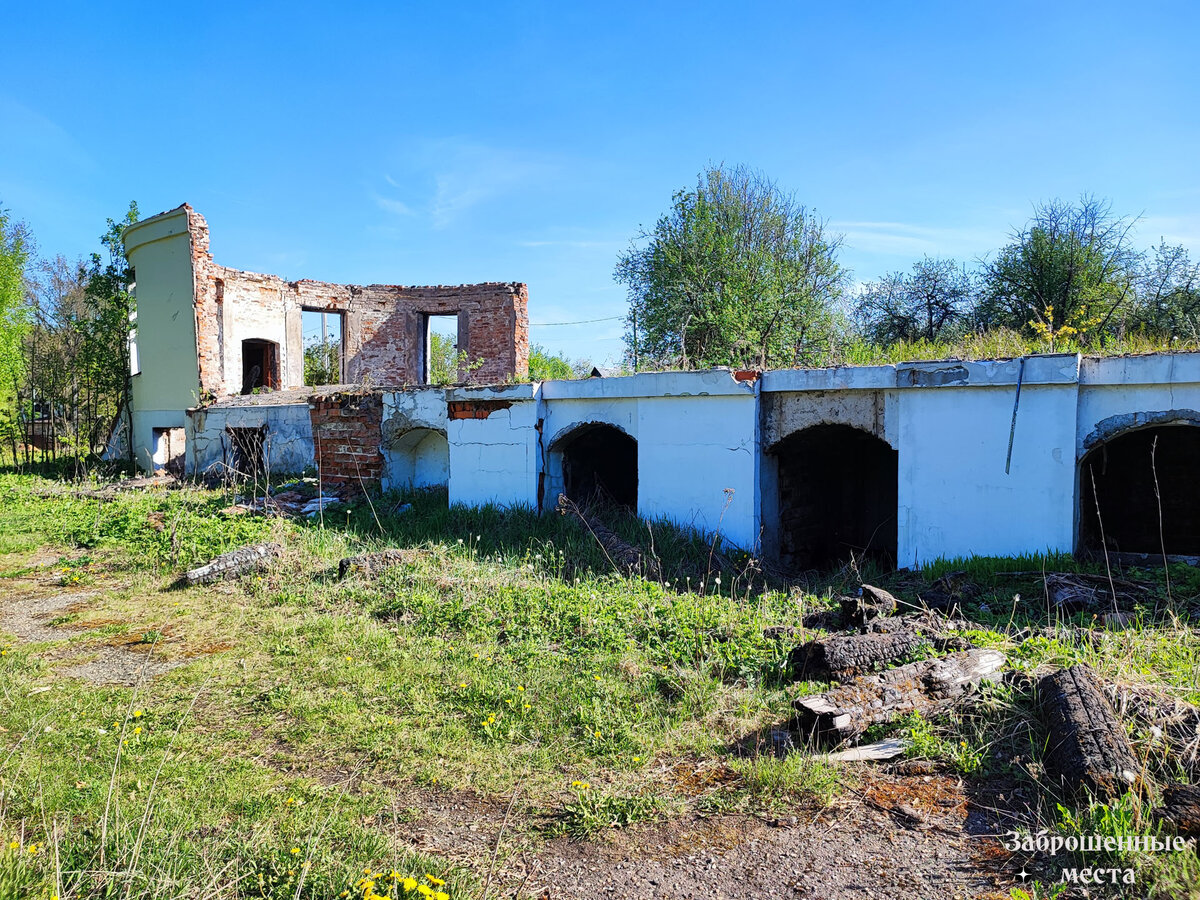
(1124, 470)
(599, 462)
(837, 496)
(260, 365)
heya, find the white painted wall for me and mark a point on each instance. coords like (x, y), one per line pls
(288, 444)
(690, 452)
(954, 497)
(495, 460)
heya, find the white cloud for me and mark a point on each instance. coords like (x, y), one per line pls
(1172, 229)
(398, 207)
(909, 240)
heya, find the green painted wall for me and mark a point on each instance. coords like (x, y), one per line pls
(159, 249)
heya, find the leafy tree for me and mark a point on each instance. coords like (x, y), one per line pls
(736, 273)
(322, 363)
(1070, 272)
(448, 364)
(546, 366)
(929, 303)
(1168, 300)
(14, 324)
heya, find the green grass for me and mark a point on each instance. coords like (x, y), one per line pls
(505, 657)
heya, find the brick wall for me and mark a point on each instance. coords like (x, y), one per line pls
(346, 438)
(384, 325)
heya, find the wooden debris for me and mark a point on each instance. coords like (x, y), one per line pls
(870, 603)
(1071, 595)
(1087, 747)
(928, 687)
(252, 558)
(623, 555)
(1181, 807)
(889, 748)
(844, 656)
(372, 564)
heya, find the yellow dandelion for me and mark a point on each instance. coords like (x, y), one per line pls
(138, 730)
(137, 713)
(597, 734)
(438, 881)
(520, 687)
(441, 895)
(289, 801)
(424, 890)
(295, 851)
(637, 759)
(527, 706)
(462, 684)
(409, 885)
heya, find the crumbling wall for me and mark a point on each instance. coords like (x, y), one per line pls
(384, 325)
(287, 441)
(346, 435)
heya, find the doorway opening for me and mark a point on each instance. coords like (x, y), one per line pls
(837, 496)
(324, 346)
(260, 366)
(600, 463)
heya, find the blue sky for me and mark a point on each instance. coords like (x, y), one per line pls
(448, 143)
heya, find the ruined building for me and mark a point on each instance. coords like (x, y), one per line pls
(206, 332)
(907, 463)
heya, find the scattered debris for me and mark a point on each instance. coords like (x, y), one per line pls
(1181, 807)
(929, 687)
(844, 656)
(889, 748)
(371, 564)
(252, 558)
(869, 603)
(1088, 748)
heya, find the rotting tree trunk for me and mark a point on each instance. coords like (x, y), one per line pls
(845, 656)
(372, 564)
(1086, 744)
(252, 558)
(1181, 807)
(623, 555)
(928, 687)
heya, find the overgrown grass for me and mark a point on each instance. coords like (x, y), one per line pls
(504, 656)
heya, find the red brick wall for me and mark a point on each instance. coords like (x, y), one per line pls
(384, 323)
(346, 438)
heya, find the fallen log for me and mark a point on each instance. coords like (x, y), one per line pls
(252, 558)
(372, 564)
(623, 555)
(1087, 747)
(1181, 807)
(929, 687)
(844, 656)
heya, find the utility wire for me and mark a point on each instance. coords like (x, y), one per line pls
(581, 322)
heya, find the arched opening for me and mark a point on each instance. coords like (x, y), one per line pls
(837, 496)
(599, 462)
(1123, 471)
(260, 365)
(419, 458)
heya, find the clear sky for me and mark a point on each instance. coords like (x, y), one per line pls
(441, 143)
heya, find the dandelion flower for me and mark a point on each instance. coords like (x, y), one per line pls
(520, 687)
(409, 885)
(137, 713)
(295, 851)
(441, 895)
(138, 730)
(462, 684)
(597, 734)
(14, 845)
(527, 706)
(438, 881)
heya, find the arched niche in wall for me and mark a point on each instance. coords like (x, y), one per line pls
(594, 462)
(417, 458)
(836, 495)
(1139, 491)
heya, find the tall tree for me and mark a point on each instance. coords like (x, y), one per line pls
(929, 303)
(736, 273)
(1070, 273)
(1168, 295)
(15, 252)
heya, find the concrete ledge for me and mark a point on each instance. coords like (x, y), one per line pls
(1154, 368)
(1059, 368)
(710, 382)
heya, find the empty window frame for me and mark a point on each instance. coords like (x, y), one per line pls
(324, 346)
